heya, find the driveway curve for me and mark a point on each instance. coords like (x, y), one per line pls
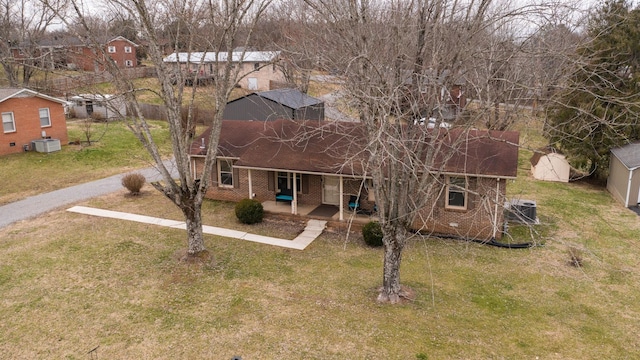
(40, 204)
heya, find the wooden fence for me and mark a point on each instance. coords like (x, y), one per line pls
(159, 112)
(62, 86)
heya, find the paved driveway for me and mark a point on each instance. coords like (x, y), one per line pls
(40, 204)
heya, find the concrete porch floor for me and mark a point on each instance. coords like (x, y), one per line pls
(278, 207)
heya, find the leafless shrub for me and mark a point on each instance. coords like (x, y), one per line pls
(97, 117)
(133, 182)
(575, 256)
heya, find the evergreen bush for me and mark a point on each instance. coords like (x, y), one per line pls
(249, 211)
(372, 234)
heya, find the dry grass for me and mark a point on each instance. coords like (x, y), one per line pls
(72, 282)
(117, 151)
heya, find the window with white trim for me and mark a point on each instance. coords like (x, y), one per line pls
(225, 173)
(456, 193)
(45, 119)
(127, 49)
(128, 63)
(111, 49)
(8, 123)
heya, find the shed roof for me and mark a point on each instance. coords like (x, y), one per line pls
(340, 148)
(208, 57)
(629, 155)
(539, 153)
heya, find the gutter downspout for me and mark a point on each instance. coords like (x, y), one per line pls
(341, 200)
(495, 215)
(626, 200)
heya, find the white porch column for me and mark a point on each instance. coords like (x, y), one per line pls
(294, 203)
(250, 183)
(341, 200)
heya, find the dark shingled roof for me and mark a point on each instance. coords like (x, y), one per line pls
(339, 148)
(629, 155)
(291, 98)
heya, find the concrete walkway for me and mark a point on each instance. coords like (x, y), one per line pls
(311, 232)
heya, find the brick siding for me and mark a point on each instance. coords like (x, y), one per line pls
(27, 123)
(475, 222)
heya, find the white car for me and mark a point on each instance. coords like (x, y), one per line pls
(431, 123)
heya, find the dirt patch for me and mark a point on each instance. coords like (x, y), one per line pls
(204, 258)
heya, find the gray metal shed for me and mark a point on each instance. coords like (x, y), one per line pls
(624, 174)
(289, 104)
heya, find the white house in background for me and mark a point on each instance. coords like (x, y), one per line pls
(550, 165)
(624, 174)
(109, 107)
(258, 69)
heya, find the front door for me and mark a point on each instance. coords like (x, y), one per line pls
(253, 83)
(331, 190)
(89, 108)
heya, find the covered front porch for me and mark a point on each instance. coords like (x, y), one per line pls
(312, 194)
(322, 211)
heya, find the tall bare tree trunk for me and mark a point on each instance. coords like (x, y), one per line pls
(192, 211)
(394, 240)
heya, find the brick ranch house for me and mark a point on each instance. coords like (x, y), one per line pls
(260, 160)
(258, 69)
(72, 53)
(28, 115)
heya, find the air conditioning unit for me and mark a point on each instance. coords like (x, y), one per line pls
(46, 145)
(522, 211)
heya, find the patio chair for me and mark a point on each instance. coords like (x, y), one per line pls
(354, 203)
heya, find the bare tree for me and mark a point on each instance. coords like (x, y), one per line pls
(400, 59)
(225, 18)
(23, 24)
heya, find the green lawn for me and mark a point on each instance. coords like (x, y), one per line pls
(116, 151)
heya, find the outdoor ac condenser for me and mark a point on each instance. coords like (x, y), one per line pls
(47, 145)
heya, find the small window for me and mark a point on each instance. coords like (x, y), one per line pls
(112, 49)
(127, 49)
(8, 124)
(45, 119)
(256, 66)
(225, 173)
(128, 63)
(457, 193)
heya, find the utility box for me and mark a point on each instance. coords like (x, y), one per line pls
(522, 211)
(46, 145)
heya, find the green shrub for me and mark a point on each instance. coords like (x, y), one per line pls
(372, 233)
(249, 211)
(133, 182)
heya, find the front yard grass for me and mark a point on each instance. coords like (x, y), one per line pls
(31, 173)
(72, 282)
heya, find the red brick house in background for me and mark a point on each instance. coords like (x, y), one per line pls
(271, 161)
(27, 116)
(71, 53)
